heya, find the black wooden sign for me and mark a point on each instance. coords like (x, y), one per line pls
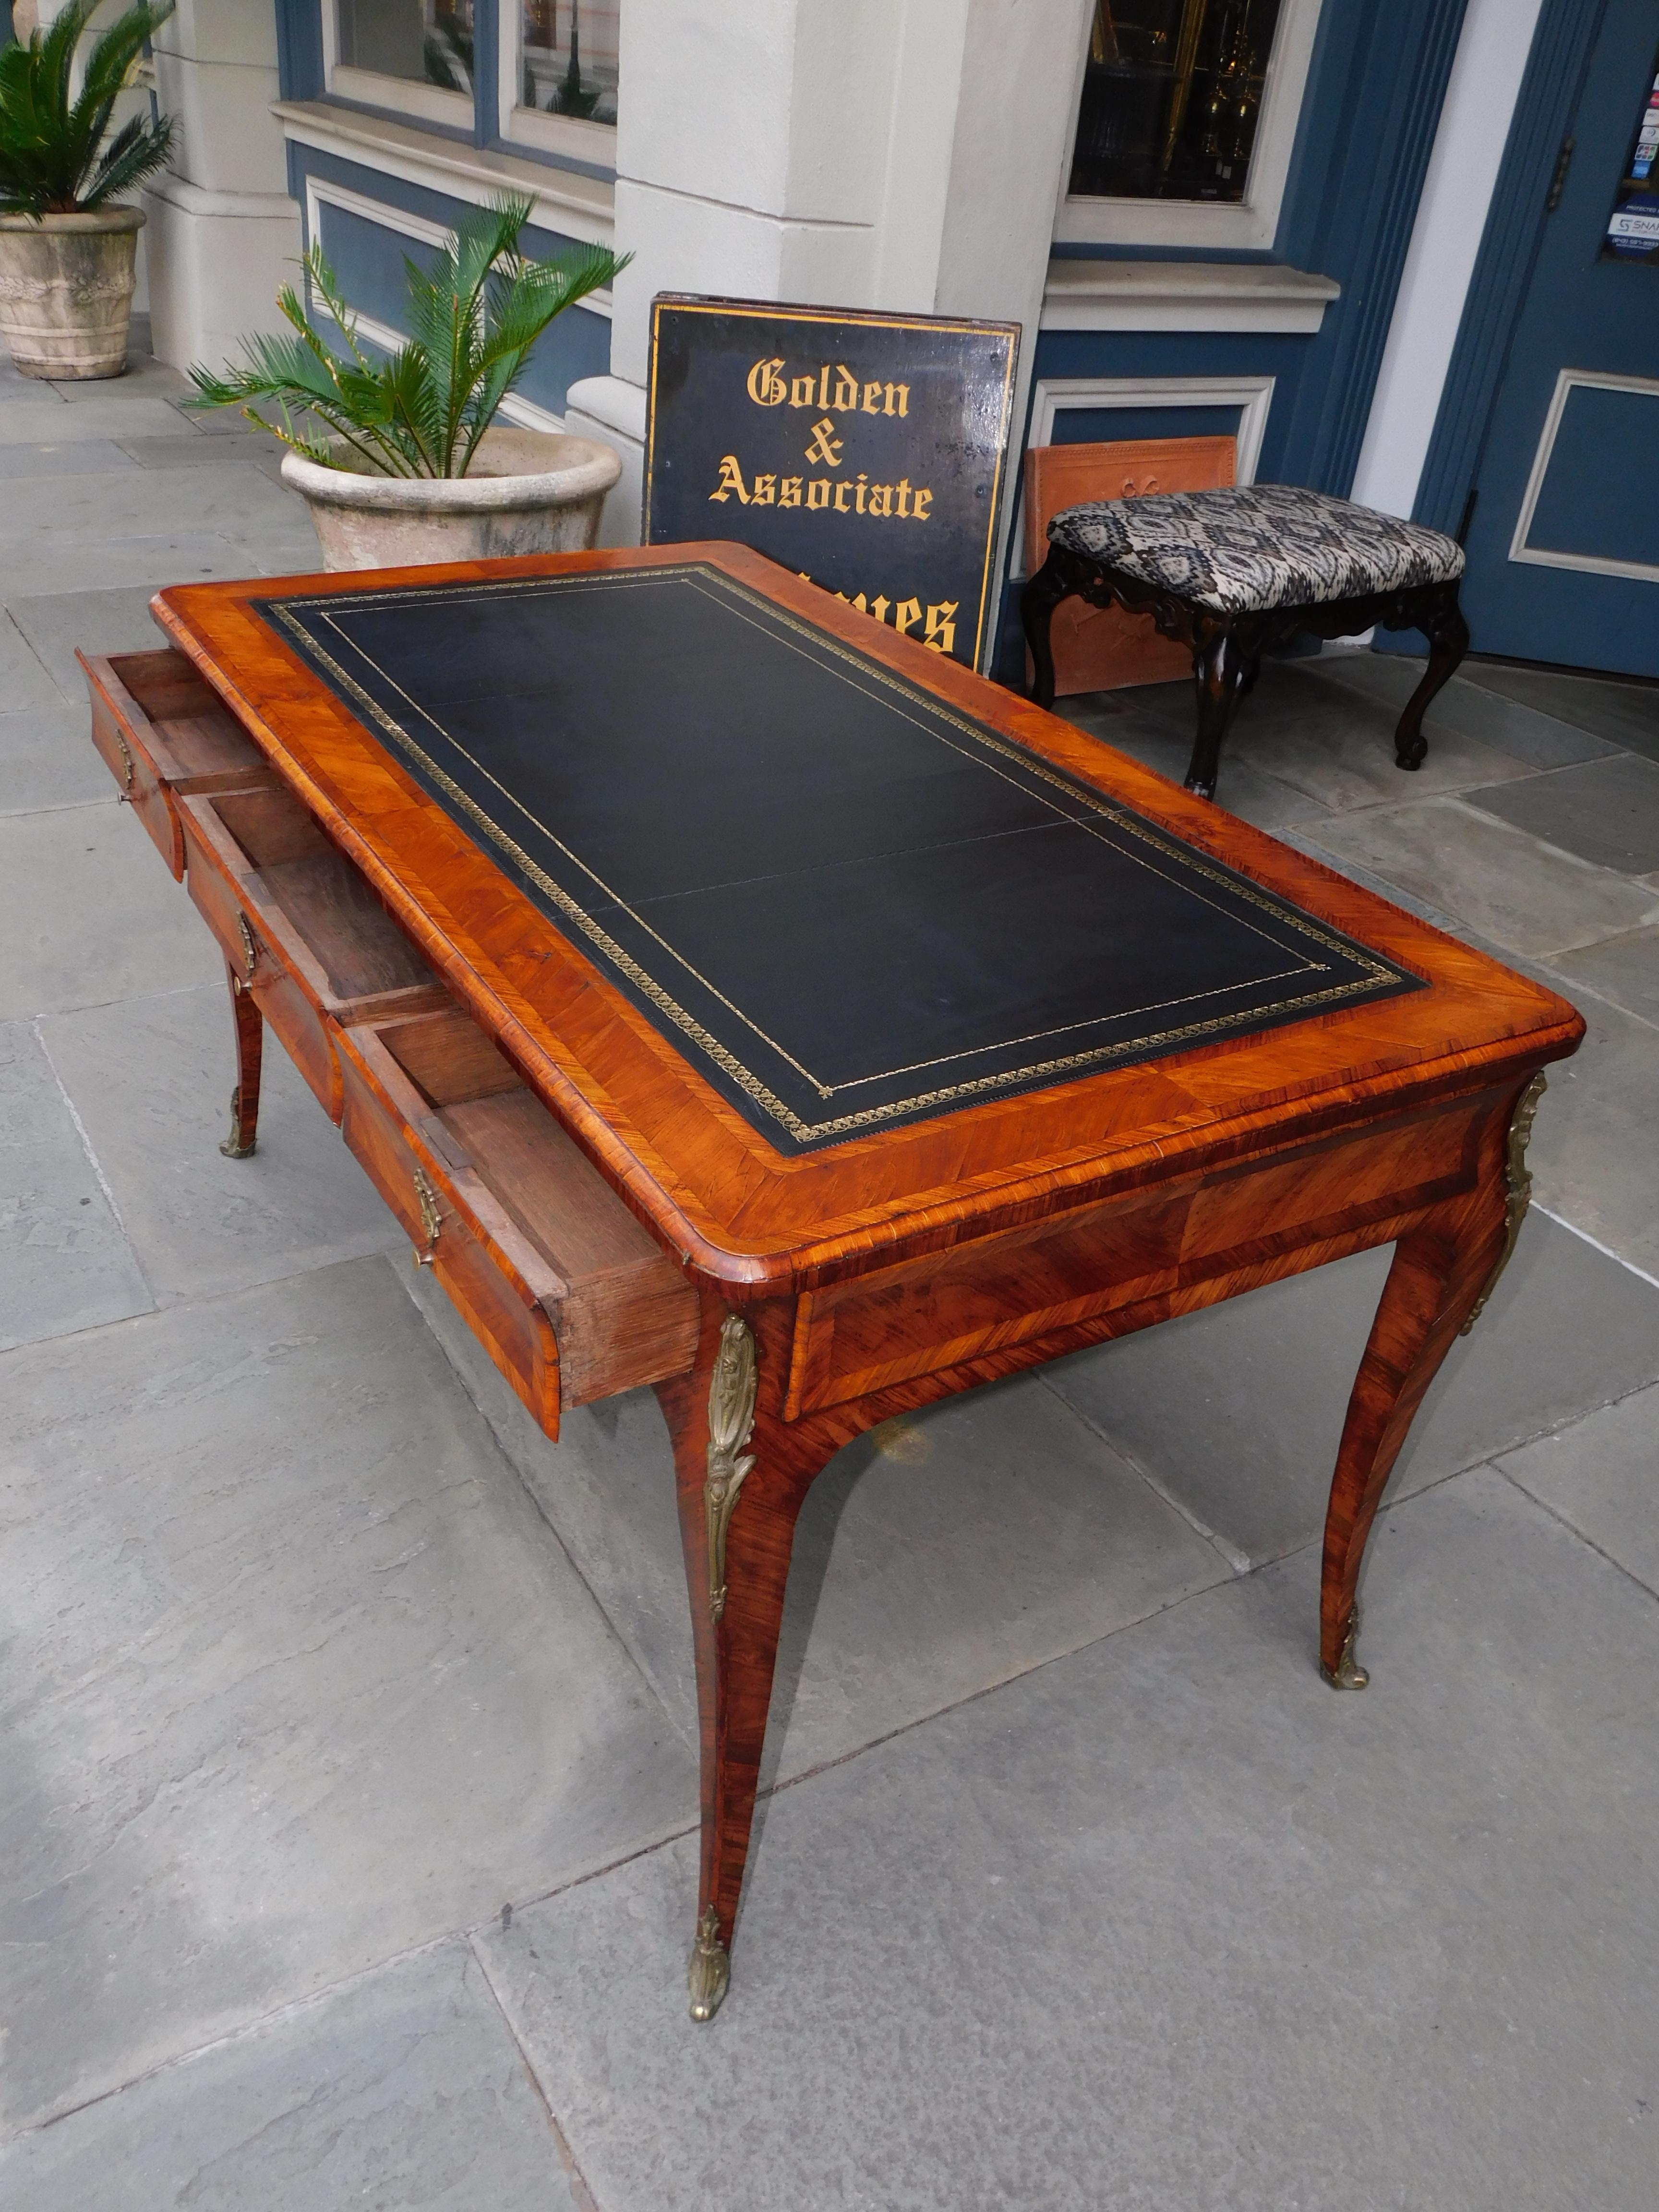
(864, 450)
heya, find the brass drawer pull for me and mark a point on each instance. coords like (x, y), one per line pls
(432, 1221)
(250, 949)
(127, 761)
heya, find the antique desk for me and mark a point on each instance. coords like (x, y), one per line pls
(730, 995)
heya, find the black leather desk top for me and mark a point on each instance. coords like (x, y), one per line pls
(848, 904)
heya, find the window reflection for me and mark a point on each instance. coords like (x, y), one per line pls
(423, 41)
(1171, 96)
(570, 57)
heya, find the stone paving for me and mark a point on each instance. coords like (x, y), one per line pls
(348, 1789)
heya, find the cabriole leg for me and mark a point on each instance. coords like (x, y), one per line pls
(742, 1475)
(1038, 602)
(1448, 640)
(1219, 667)
(249, 1051)
(1442, 1275)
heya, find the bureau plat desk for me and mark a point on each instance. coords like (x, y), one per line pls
(730, 995)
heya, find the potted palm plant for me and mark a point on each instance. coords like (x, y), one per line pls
(398, 456)
(67, 250)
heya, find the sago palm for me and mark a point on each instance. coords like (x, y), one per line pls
(421, 411)
(54, 160)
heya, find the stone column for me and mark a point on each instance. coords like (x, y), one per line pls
(223, 228)
(901, 154)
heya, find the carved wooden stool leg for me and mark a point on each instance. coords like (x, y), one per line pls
(1219, 667)
(249, 1051)
(1448, 640)
(1041, 595)
(741, 1474)
(1441, 1276)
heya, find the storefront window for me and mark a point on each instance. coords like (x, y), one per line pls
(1172, 95)
(1633, 226)
(569, 58)
(420, 41)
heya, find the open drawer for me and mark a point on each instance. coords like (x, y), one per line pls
(571, 1295)
(163, 733)
(300, 925)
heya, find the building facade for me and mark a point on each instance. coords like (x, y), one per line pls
(1328, 227)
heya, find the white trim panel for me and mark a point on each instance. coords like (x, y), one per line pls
(1060, 395)
(579, 207)
(323, 191)
(1183, 296)
(1593, 564)
(1253, 221)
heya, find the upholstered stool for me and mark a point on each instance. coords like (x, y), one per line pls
(1232, 573)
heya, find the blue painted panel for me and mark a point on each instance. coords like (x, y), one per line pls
(1154, 354)
(370, 261)
(1588, 504)
(1085, 425)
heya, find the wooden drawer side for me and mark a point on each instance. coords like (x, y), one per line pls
(162, 734)
(623, 1312)
(908, 1321)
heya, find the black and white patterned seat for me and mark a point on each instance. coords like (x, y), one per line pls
(1257, 546)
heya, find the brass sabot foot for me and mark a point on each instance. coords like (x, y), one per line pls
(1348, 1673)
(232, 1147)
(711, 1968)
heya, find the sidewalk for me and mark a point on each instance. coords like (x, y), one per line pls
(349, 1788)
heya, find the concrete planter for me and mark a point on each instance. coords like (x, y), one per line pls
(530, 491)
(66, 291)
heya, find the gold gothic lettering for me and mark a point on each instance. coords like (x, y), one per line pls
(764, 490)
(939, 629)
(765, 385)
(824, 445)
(731, 480)
(832, 388)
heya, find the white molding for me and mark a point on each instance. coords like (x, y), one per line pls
(1252, 222)
(1058, 395)
(569, 135)
(583, 208)
(323, 191)
(430, 102)
(1593, 564)
(1183, 296)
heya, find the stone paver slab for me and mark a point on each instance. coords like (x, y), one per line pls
(79, 457)
(403, 2090)
(46, 759)
(297, 1678)
(25, 682)
(1529, 731)
(1625, 969)
(1501, 881)
(978, 1539)
(1238, 1410)
(151, 1079)
(28, 421)
(53, 624)
(1170, 1925)
(1603, 1475)
(89, 913)
(1595, 1152)
(149, 503)
(1605, 812)
(65, 1263)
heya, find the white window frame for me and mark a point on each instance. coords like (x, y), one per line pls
(1252, 222)
(430, 102)
(571, 136)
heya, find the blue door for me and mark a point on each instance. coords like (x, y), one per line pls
(1563, 537)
